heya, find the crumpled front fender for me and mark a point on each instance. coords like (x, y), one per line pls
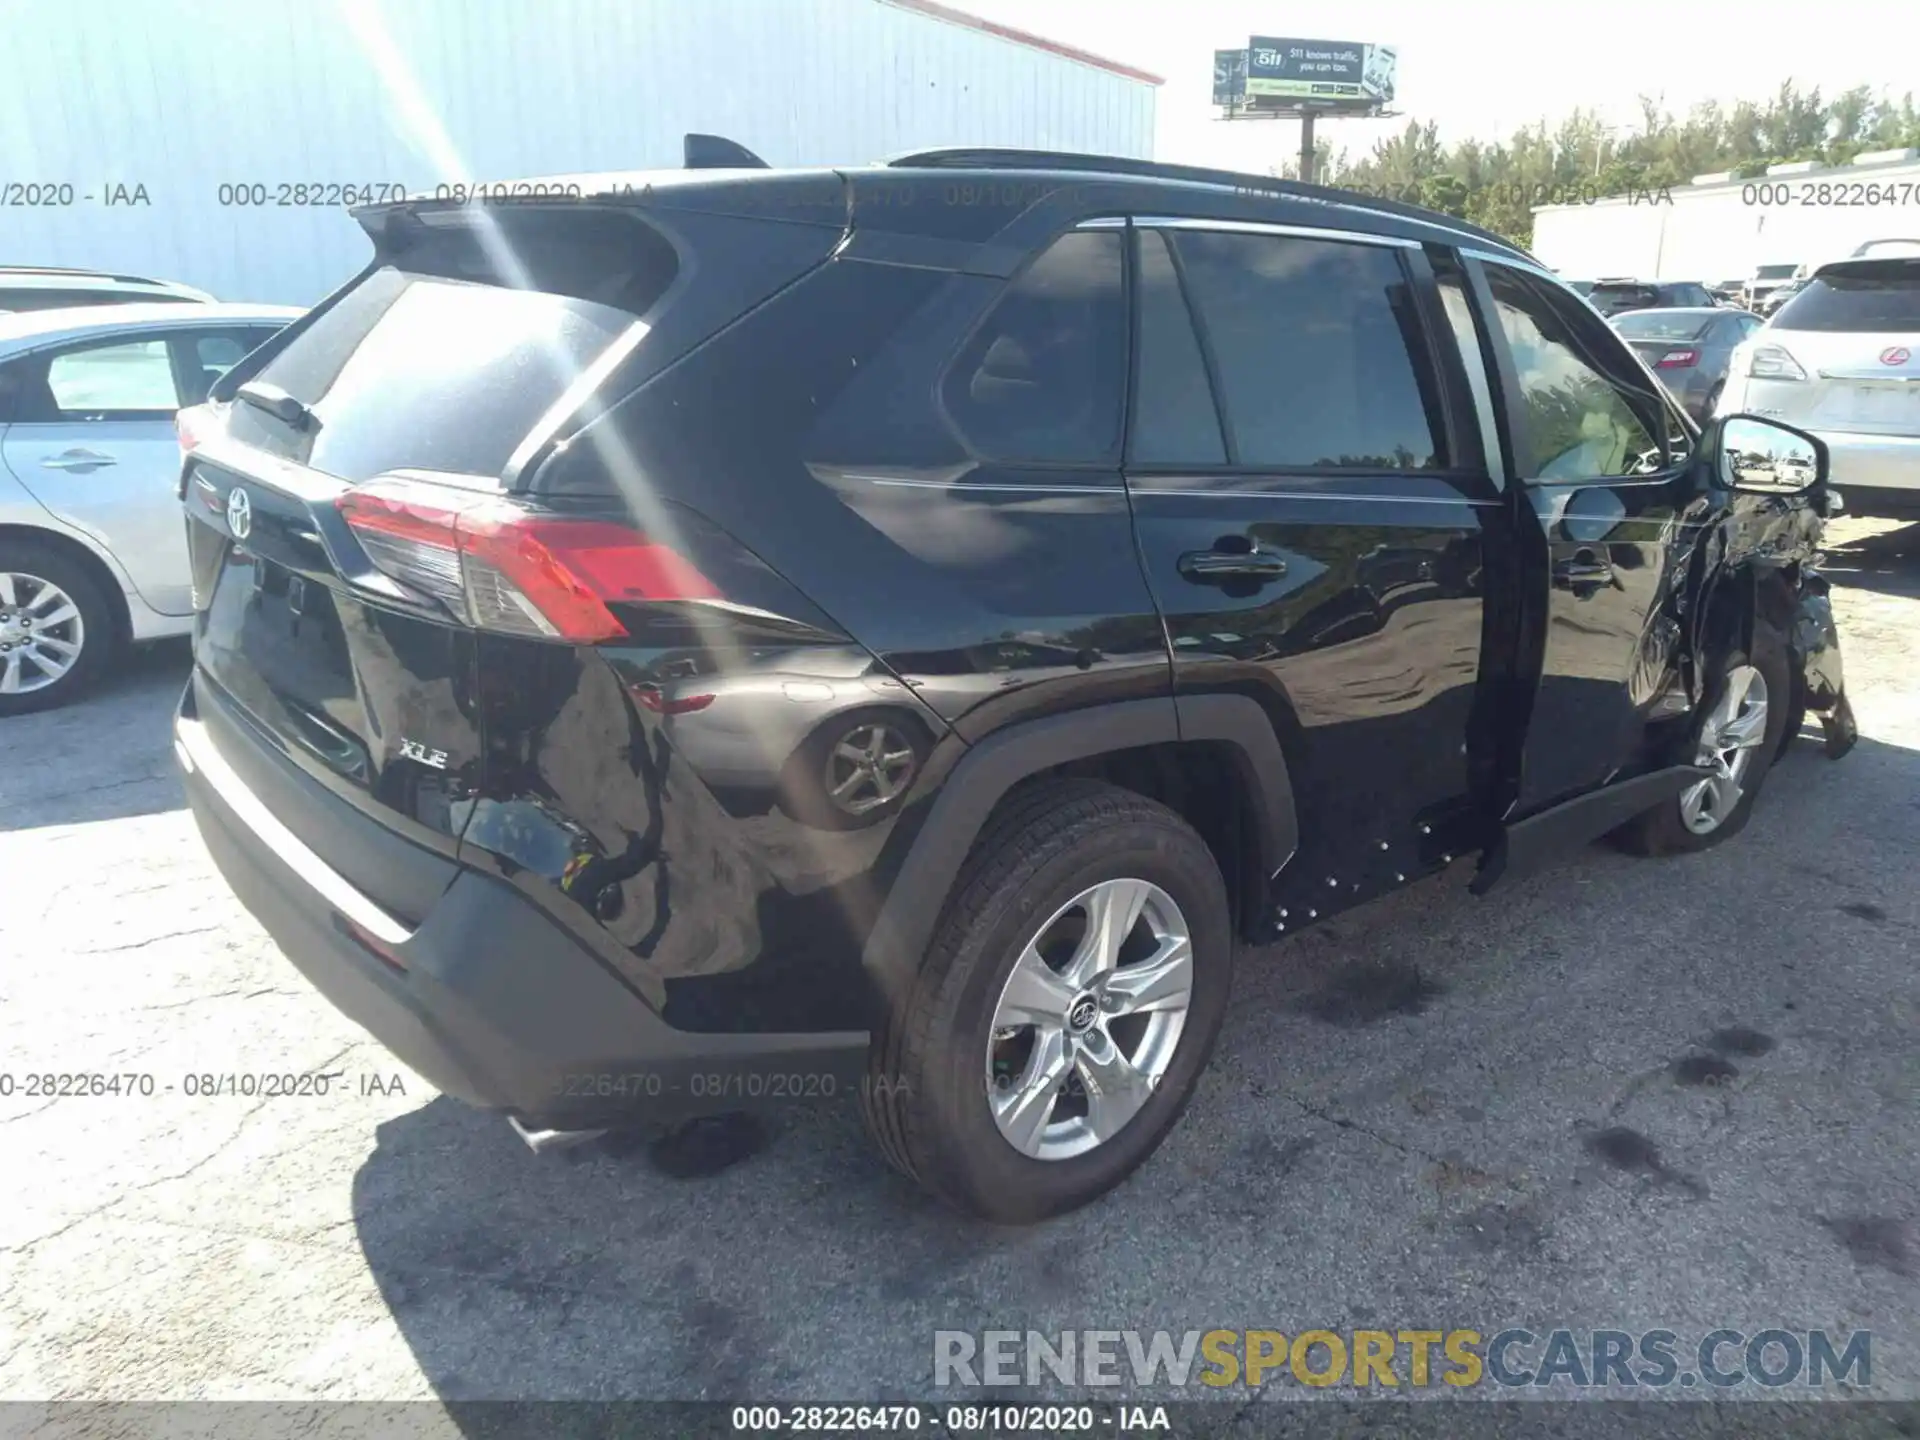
(1815, 643)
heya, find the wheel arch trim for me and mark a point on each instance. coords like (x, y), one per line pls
(994, 765)
(116, 589)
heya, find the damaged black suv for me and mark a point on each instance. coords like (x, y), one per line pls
(693, 640)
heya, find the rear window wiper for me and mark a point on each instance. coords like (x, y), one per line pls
(277, 403)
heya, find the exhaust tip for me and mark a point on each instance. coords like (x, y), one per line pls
(541, 1141)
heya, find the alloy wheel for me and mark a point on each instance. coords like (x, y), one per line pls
(868, 767)
(1089, 1020)
(41, 633)
(1732, 732)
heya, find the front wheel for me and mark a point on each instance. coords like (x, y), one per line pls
(1065, 1010)
(1736, 740)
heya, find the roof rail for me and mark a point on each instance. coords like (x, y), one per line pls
(992, 158)
(77, 270)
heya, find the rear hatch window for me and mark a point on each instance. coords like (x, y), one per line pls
(432, 363)
(1653, 325)
(1861, 297)
(1609, 298)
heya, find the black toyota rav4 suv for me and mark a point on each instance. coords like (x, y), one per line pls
(674, 642)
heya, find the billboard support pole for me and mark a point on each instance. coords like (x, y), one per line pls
(1306, 148)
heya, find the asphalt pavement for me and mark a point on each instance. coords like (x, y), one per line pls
(1625, 1093)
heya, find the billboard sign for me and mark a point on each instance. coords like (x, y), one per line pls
(1331, 70)
(1229, 77)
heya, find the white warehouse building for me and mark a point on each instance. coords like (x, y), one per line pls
(1721, 228)
(211, 141)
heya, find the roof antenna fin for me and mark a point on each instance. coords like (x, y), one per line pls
(716, 152)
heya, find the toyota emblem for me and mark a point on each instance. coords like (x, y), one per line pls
(1895, 355)
(1082, 1013)
(239, 513)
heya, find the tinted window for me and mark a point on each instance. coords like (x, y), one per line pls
(126, 375)
(1312, 341)
(441, 361)
(1608, 299)
(1576, 424)
(1043, 376)
(1661, 325)
(206, 355)
(1466, 336)
(412, 371)
(1175, 421)
(1867, 296)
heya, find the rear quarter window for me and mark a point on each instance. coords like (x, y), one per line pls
(1043, 378)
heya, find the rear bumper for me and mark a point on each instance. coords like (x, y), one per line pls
(487, 998)
(1870, 463)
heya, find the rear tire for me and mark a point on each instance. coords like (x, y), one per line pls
(1695, 819)
(956, 1072)
(56, 625)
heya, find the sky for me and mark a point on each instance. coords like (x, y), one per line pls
(1483, 70)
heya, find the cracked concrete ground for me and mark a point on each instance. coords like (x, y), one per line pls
(1624, 1094)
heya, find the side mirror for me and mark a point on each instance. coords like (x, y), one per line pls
(1768, 458)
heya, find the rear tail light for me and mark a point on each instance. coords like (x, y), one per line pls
(194, 424)
(652, 697)
(1677, 360)
(1771, 362)
(501, 567)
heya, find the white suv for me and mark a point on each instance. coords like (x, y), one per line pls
(1842, 359)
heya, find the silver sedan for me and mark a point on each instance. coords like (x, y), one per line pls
(93, 551)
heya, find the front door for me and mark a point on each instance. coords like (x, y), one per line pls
(1608, 499)
(1312, 503)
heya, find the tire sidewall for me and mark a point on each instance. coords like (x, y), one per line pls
(97, 644)
(954, 1062)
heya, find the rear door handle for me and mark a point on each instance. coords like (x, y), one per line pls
(1211, 565)
(77, 460)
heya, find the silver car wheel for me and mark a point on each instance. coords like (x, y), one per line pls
(1087, 1024)
(1733, 730)
(41, 633)
(869, 767)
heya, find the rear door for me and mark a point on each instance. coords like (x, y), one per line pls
(1601, 461)
(1311, 500)
(93, 441)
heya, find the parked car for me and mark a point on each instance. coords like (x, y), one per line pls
(1614, 297)
(1181, 537)
(1582, 288)
(93, 554)
(1768, 278)
(41, 287)
(1779, 295)
(1688, 349)
(1839, 360)
(1885, 249)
